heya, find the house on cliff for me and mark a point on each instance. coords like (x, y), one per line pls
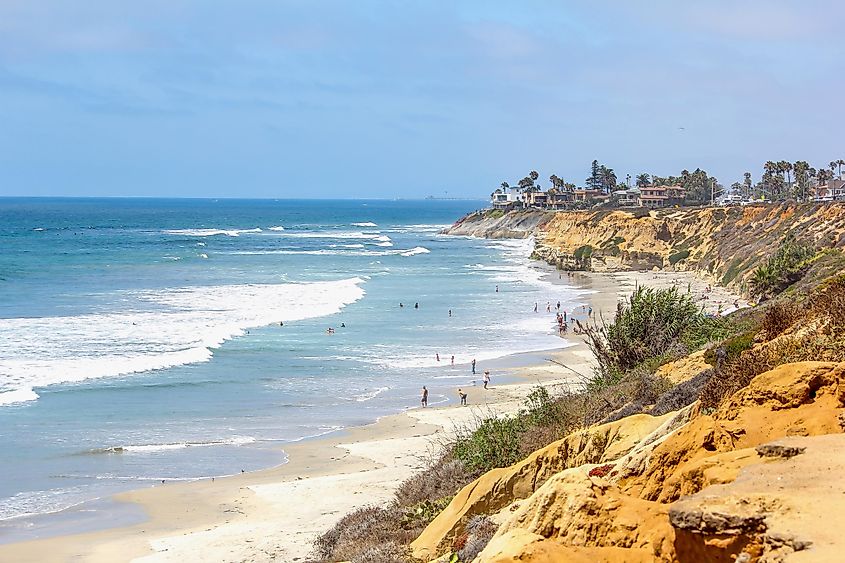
(627, 198)
(559, 199)
(535, 198)
(506, 199)
(587, 195)
(661, 196)
(832, 190)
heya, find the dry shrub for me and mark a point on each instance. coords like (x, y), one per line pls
(823, 318)
(681, 395)
(737, 374)
(371, 534)
(830, 303)
(443, 477)
(567, 415)
(779, 316)
(479, 531)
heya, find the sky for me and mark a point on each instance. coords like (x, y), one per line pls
(313, 98)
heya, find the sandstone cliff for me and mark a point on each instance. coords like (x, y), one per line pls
(725, 244)
(758, 479)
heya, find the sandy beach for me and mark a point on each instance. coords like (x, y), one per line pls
(275, 514)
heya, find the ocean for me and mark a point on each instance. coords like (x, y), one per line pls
(150, 339)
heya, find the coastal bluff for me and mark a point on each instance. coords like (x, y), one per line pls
(724, 244)
(758, 479)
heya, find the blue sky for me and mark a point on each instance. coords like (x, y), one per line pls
(407, 98)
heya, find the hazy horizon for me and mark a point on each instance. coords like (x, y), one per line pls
(371, 100)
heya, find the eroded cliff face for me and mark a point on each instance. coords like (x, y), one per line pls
(725, 244)
(497, 224)
(758, 479)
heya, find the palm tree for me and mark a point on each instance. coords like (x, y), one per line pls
(823, 176)
(533, 175)
(643, 180)
(840, 163)
(608, 178)
(802, 177)
(505, 185)
(786, 169)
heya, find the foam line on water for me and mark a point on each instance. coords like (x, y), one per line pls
(184, 327)
(210, 232)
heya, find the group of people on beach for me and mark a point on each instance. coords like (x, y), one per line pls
(563, 318)
(462, 395)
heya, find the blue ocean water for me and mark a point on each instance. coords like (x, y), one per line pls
(142, 340)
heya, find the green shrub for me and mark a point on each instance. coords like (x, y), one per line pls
(502, 441)
(732, 271)
(678, 256)
(583, 256)
(782, 269)
(583, 252)
(495, 443)
(729, 349)
(421, 514)
(650, 324)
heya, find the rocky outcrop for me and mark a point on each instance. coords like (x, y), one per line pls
(759, 479)
(775, 510)
(498, 224)
(499, 488)
(725, 244)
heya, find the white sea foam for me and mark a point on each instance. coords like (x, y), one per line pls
(22, 395)
(337, 234)
(385, 243)
(186, 325)
(277, 228)
(366, 224)
(154, 448)
(415, 250)
(338, 251)
(210, 232)
(372, 394)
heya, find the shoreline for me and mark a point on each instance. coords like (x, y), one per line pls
(277, 512)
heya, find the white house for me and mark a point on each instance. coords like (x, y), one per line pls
(506, 198)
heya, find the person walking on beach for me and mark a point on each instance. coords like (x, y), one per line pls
(463, 397)
(473, 366)
(424, 398)
(535, 306)
(548, 307)
(486, 378)
(437, 355)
